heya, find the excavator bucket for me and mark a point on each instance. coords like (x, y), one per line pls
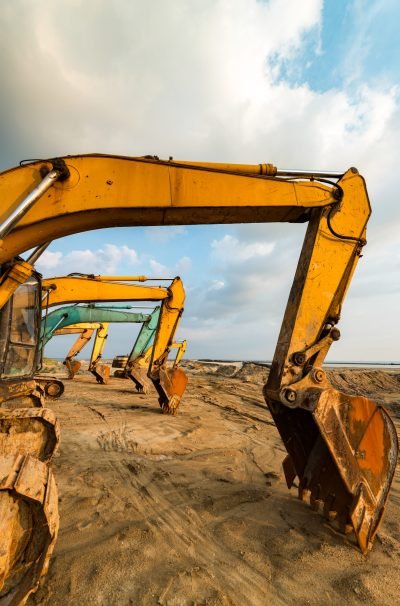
(72, 367)
(344, 452)
(170, 387)
(28, 500)
(101, 372)
(138, 374)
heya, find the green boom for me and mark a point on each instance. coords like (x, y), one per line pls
(75, 314)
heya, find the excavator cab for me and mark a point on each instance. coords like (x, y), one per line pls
(20, 320)
(20, 326)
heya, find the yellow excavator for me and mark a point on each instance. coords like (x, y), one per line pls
(99, 370)
(180, 351)
(102, 374)
(136, 369)
(134, 366)
(85, 331)
(341, 447)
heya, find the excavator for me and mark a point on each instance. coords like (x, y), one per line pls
(100, 371)
(135, 367)
(88, 289)
(341, 448)
(73, 314)
(85, 332)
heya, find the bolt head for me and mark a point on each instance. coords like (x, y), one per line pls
(290, 395)
(299, 358)
(318, 375)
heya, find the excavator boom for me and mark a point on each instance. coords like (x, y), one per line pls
(100, 371)
(73, 314)
(342, 448)
(181, 350)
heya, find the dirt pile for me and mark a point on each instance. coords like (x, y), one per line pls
(227, 370)
(365, 382)
(252, 372)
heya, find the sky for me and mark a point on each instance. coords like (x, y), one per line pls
(303, 85)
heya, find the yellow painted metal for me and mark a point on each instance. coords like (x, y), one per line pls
(99, 370)
(99, 342)
(144, 360)
(84, 337)
(75, 329)
(181, 349)
(148, 192)
(19, 272)
(322, 278)
(170, 315)
(122, 278)
(66, 289)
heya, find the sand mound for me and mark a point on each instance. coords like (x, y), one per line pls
(364, 382)
(252, 372)
(226, 370)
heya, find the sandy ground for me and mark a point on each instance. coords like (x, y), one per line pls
(193, 509)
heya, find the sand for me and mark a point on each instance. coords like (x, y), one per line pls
(193, 509)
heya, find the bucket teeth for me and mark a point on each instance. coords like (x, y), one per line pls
(315, 503)
(304, 494)
(328, 511)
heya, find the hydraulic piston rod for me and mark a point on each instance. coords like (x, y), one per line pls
(27, 202)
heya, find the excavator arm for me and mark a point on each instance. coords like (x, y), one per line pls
(75, 329)
(181, 350)
(137, 363)
(342, 448)
(85, 334)
(100, 371)
(170, 385)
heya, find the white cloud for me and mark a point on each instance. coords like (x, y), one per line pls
(103, 260)
(183, 265)
(159, 270)
(231, 250)
(49, 261)
(216, 285)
